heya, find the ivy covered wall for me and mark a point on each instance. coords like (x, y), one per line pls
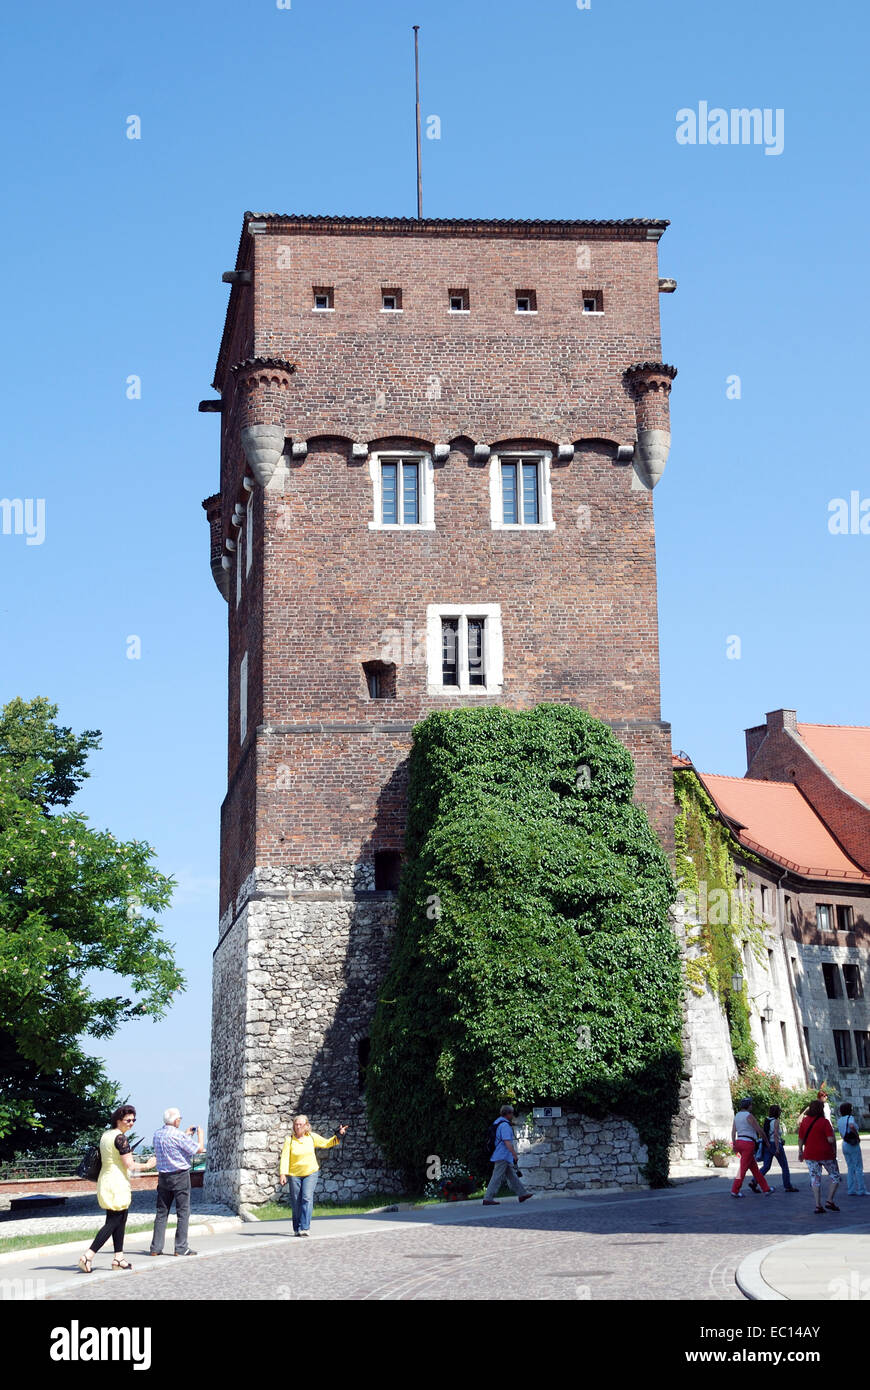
(705, 850)
(534, 959)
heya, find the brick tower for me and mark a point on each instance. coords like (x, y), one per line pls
(439, 441)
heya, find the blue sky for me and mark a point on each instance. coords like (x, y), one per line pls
(114, 250)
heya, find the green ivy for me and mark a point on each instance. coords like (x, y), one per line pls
(705, 850)
(534, 961)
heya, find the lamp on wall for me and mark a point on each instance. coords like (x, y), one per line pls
(767, 1012)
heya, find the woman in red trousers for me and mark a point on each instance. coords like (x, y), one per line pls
(745, 1134)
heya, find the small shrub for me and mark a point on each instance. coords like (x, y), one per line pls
(766, 1089)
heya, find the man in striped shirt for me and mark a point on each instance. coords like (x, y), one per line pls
(173, 1151)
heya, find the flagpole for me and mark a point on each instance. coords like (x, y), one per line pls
(419, 151)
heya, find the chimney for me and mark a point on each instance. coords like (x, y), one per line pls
(781, 719)
(754, 739)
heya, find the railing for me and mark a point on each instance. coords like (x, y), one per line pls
(33, 1169)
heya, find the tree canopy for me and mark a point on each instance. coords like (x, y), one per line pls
(534, 959)
(73, 901)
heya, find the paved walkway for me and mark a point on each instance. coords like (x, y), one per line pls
(687, 1242)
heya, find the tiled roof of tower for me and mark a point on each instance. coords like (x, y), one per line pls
(460, 223)
(844, 751)
(778, 821)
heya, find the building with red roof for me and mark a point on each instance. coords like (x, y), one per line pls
(802, 812)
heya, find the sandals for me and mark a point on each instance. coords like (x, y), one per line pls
(85, 1264)
(831, 1206)
(121, 1264)
(819, 1211)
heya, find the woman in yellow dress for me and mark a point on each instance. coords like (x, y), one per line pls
(113, 1186)
(300, 1166)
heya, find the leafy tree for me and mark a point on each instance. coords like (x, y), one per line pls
(73, 901)
(534, 959)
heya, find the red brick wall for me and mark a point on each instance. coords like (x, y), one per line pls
(578, 603)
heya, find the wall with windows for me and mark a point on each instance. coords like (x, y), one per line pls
(440, 509)
(770, 978)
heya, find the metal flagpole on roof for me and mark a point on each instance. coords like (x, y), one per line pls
(416, 28)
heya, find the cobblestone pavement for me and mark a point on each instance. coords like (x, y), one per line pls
(83, 1212)
(681, 1243)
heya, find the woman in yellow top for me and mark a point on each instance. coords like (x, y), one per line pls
(113, 1186)
(300, 1166)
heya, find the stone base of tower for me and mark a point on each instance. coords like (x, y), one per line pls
(297, 970)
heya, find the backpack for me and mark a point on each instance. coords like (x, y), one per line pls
(91, 1163)
(492, 1135)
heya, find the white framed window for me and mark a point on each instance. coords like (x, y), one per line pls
(520, 492)
(243, 698)
(526, 302)
(391, 301)
(464, 648)
(403, 488)
(459, 303)
(249, 535)
(324, 299)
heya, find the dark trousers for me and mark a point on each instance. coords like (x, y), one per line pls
(113, 1226)
(172, 1187)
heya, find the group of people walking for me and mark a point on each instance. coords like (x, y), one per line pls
(817, 1147)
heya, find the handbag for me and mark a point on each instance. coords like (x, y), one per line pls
(851, 1136)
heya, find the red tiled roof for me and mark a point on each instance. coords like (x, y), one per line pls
(781, 824)
(844, 751)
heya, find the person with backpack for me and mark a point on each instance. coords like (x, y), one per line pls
(775, 1150)
(502, 1140)
(818, 1147)
(848, 1127)
(746, 1132)
(113, 1187)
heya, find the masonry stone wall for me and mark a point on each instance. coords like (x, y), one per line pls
(302, 962)
(574, 1151)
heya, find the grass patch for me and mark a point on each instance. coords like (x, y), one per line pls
(281, 1211)
(31, 1242)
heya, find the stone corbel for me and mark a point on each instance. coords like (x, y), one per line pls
(441, 452)
(481, 452)
(649, 383)
(261, 382)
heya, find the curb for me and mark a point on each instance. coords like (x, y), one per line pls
(750, 1280)
(36, 1252)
